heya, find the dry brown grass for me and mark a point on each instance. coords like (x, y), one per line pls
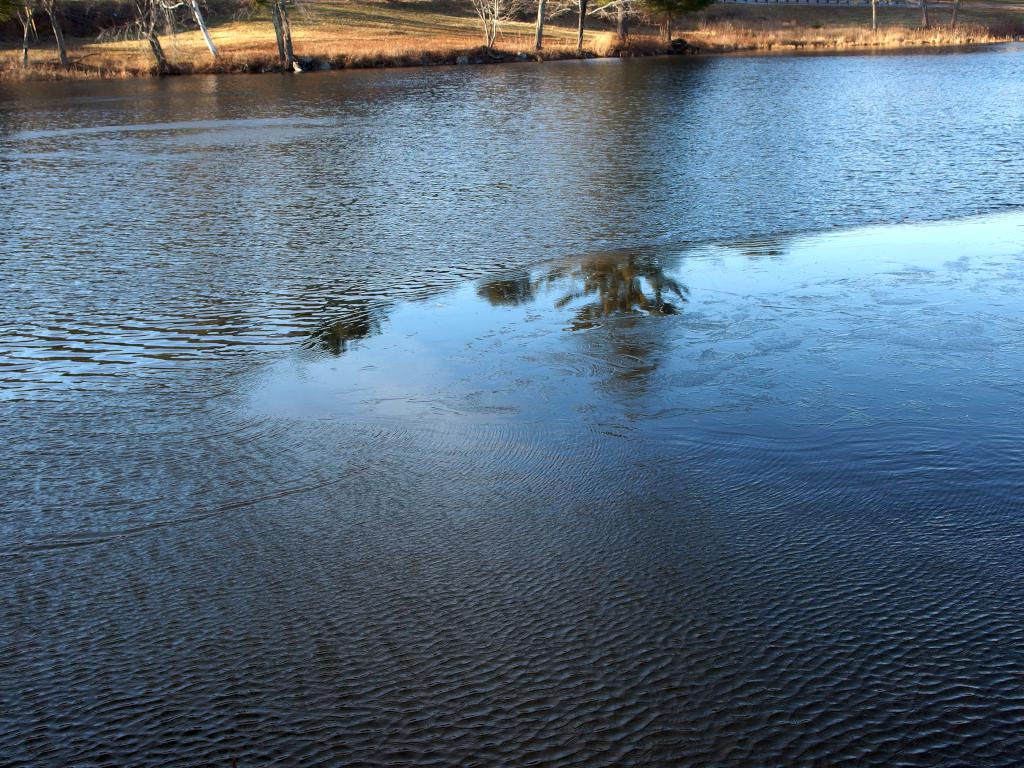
(727, 36)
(344, 34)
(369, 33)
(604, 44)
(754, 27)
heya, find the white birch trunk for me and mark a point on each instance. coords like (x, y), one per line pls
(198, 14)
(27, 25)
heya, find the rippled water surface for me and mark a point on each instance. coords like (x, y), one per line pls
(658, 412)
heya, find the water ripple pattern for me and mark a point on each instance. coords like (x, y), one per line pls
(504, 416)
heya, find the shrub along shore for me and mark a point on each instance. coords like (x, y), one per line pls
(332, 34)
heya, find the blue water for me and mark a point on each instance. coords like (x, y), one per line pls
(653, 412)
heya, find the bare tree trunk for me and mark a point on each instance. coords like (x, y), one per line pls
(621, 24)
(924, 14)
(487, 11)
(198, 14)
(956, 13)
(162, 67)
(582, 24)
(275, 14)
(668, 28)
(58, 32)
(28, 24)
(542, 6)
(151, 18)
(286, 33)
(874, 15)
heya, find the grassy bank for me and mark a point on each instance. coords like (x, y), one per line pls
(766, 27)
(371, 33)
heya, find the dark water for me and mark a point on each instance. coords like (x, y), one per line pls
(661, 412)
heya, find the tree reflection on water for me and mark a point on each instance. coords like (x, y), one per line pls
(508, 291)
(613, 291)
(619, 284)
(622, 284)
(360, 320)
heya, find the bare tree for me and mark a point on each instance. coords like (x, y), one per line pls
(924, 14)
(538, 42)
(283, 32)
(874, 15)
(197, 14)
(275, 15)
(956, 13)
(621, 21)
(148, 15)
(26, 17)
(53, 11)
(286, 32)
(151, 15)
(492, 14)
(582, 5)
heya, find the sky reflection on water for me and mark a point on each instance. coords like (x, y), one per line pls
(859, 325)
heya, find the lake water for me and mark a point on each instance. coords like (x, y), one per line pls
(656, 412)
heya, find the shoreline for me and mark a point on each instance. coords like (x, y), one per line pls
(480, 57)
(374, 34)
